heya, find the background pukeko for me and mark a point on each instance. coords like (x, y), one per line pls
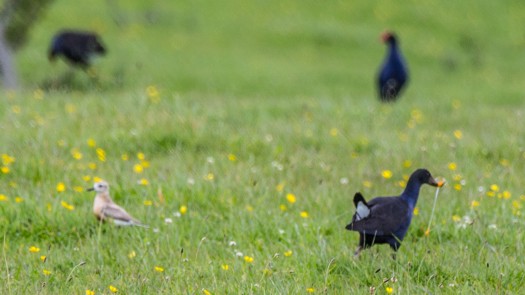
(393, 74)
(77, 47)
(385, 220)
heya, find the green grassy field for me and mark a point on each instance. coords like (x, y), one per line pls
(240, 131)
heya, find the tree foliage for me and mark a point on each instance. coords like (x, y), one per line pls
(16, 19)
(18, 16)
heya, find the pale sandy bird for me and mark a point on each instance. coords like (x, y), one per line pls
(104, 208)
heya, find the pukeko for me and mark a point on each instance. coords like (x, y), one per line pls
(385, 220)
(393, 74)
(77, 47)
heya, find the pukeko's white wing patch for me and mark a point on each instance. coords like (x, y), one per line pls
(362, 211)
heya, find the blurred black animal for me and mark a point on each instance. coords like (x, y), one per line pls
(393, 74)
(77, 47)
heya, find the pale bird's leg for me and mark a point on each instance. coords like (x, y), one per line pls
(358, 251)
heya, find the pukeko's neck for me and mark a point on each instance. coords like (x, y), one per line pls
(411, 192)
(393, 51)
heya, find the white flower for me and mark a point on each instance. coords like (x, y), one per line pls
(277, 165)
(281, 231)
(232, 243)
(210, 160)
(190, 181)
(238, 253)
(343, 180)
(168, 220)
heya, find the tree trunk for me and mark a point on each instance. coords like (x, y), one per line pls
(7, 67)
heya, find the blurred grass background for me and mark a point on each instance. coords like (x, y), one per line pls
(235, 105)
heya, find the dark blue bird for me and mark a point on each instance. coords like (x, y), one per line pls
(77, 47)
(385, 220)
(393, 74)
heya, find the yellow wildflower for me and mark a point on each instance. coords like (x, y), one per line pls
(138, 168)
(232, 157)
(389, 290)
(34, 249)
(457, 186)
(77, 155)
(46, 272)
(7, 159)
(494, 187)
(3, 198)
(124, 157)
(452, 166)
(206, 292)
(225, 267)
(291, 198)
(61, 187)
(506, 195)
(16, 109)
(288, 253)
(5, 169)
(148, 203)
(159, 269)
(416, 211)
(141, 156)
(209, 177)
(132, 255)
(70, 108)
(143, 181)
(304, 214)
(280, 187)
(19, 199)
(90, 292)
(474, 204)
(183, 209)
(101, 154)
(67, 206)
(283, 207)
(458, 134)
(456, 218)
(38, 94)
(248, 259)
(43, 258)
(334, 132)
(91, 142)
(310, 290)
(113, 289)
(92, 165)
(387, 174)
(407, 164)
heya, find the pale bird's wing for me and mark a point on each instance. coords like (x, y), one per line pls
(119, 215)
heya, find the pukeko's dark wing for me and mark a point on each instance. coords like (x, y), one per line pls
(386, 215)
